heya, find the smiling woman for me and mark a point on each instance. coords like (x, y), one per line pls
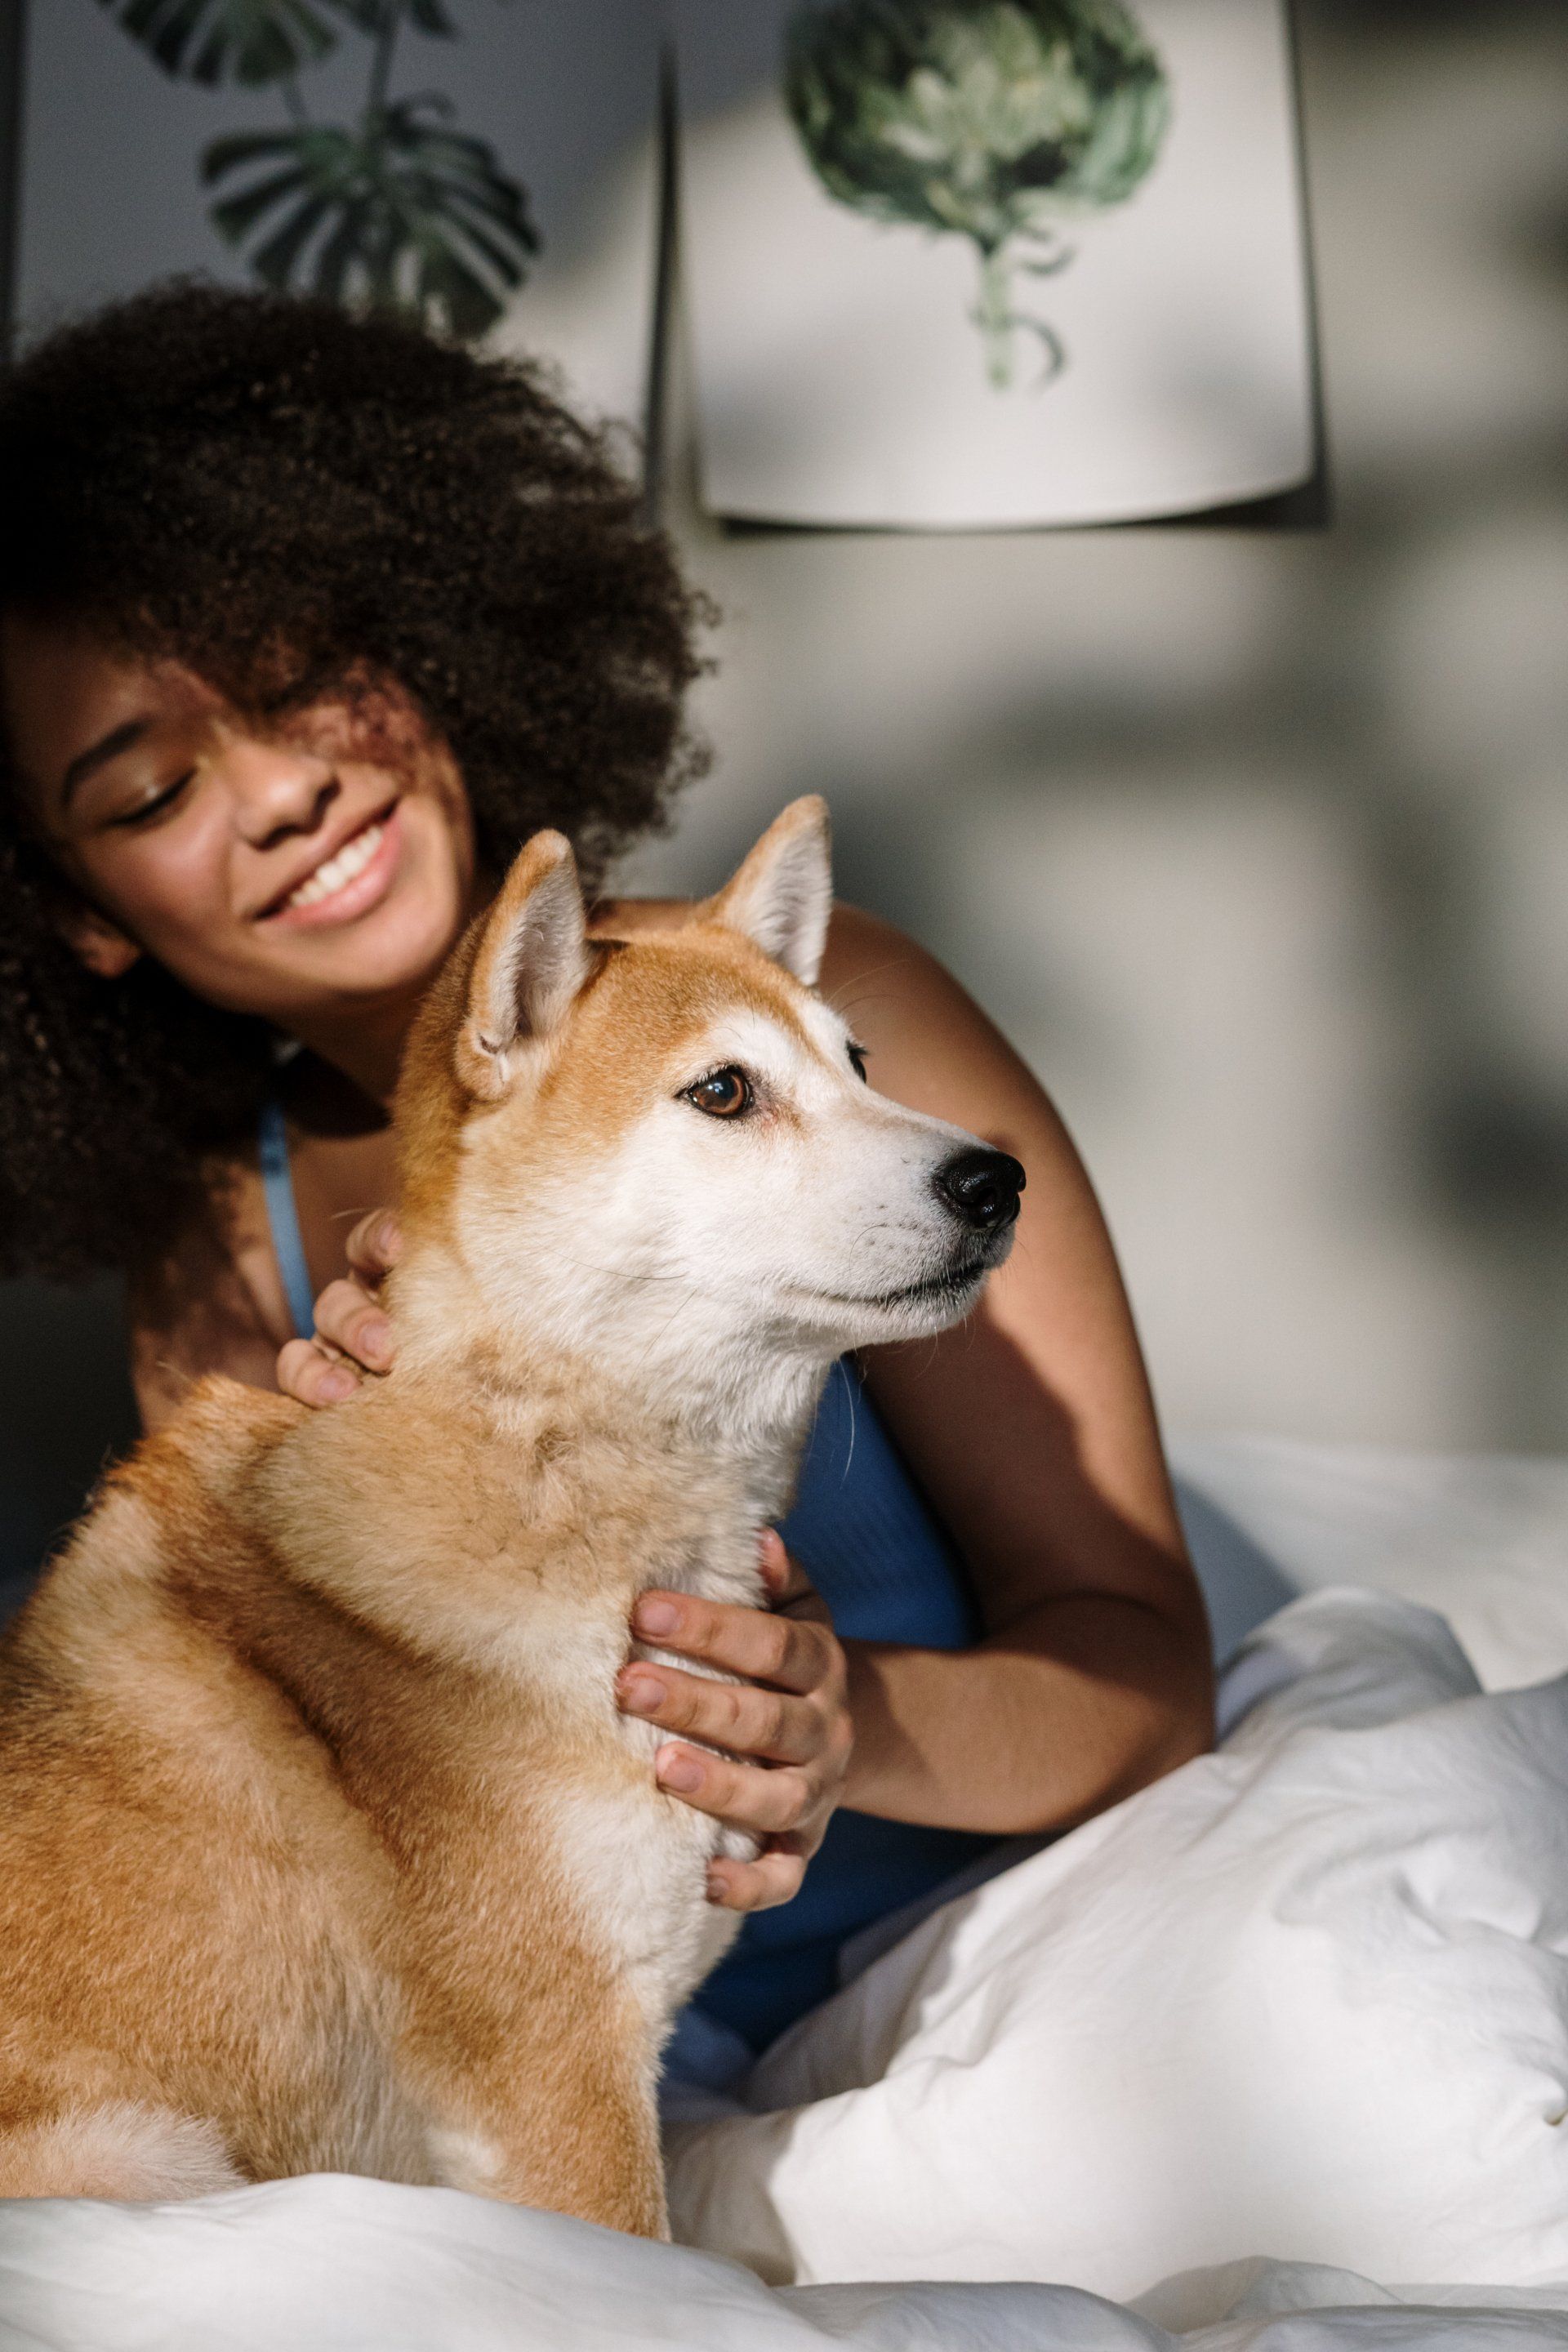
(261, 564)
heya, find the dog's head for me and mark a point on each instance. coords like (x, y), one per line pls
(662, 1152)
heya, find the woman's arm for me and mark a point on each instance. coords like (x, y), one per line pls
(1032, 1432)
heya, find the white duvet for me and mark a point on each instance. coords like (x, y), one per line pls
(1222, 2068)
(1307, 1997)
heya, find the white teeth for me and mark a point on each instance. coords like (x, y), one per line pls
(351, 859)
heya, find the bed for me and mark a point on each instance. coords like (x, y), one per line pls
(1274, 2054)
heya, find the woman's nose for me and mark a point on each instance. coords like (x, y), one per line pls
(278, 789)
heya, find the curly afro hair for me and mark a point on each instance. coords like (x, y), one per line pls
(285, 498)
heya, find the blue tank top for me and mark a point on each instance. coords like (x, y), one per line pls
(874, 1550)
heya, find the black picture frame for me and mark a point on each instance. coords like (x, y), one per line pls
(12, 44)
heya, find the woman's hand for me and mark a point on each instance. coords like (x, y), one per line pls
(353, 1336)
(785, 1729)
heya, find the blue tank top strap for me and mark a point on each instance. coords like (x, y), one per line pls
(283, 1215)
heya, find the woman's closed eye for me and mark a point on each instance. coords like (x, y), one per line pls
(152, 803)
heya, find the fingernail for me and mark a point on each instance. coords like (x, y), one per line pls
(337, 1384)
(388, 1240)
(678, 1768)
(376, 1338)
(656, 1616)
(717, 1886)
(643, 1694)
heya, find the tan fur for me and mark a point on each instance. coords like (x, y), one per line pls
(323, 1844)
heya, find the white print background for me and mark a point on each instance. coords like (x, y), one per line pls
(840, 374)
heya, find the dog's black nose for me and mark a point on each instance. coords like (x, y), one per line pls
(984, 1187)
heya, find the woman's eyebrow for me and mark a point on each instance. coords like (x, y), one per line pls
(107, 747)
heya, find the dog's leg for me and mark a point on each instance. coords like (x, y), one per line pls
(119, 2149)
(571, 2124)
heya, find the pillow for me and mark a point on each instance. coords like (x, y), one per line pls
(1482, 1537)
(1305, 1997)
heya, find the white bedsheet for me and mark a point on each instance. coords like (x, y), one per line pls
(1481, 1537)
(337, 2265)
(331, 2264)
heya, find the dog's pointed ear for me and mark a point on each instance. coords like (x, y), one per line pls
(782, 894)
(532, 958)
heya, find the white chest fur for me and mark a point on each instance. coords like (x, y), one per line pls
(661, 1922)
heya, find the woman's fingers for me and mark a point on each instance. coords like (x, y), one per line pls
(783, 1732)
(353, 1334)
(759, 1886)
(748, 1796)
(792, 1652)
(789, 1587)
(307, 1372)
(350, 1319)
(374, 1247)
(737, 1715)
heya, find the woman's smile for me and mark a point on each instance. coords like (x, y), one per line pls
(348, 879)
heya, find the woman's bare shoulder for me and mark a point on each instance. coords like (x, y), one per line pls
(894, 993)
(615, 918)
(853, 934)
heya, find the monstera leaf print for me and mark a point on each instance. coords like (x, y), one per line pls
(399, 210)
(213, 41)
(998, 121)
(403, 214)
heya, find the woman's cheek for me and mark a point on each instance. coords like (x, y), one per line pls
(173, 889)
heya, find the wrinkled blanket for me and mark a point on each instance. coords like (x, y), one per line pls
(1307, 1997)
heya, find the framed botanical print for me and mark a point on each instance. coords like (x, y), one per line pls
(961, 264)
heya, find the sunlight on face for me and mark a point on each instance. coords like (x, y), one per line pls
(316, 866)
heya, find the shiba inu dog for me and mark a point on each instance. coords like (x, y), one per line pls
(322, 1843)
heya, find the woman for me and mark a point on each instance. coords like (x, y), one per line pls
(304, 626)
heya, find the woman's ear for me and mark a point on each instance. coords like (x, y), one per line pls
(97, 943)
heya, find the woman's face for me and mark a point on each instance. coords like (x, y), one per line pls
(300, 871)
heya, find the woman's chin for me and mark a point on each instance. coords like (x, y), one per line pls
(395, 948)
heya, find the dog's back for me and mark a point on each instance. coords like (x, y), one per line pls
(184, 1893)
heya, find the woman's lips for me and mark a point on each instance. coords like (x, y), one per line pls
(354, 881)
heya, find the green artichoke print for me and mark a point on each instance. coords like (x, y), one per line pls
(994, 120)
(398, 210)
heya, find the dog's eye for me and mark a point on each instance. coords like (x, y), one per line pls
(858, 1062)
(725, 1093)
